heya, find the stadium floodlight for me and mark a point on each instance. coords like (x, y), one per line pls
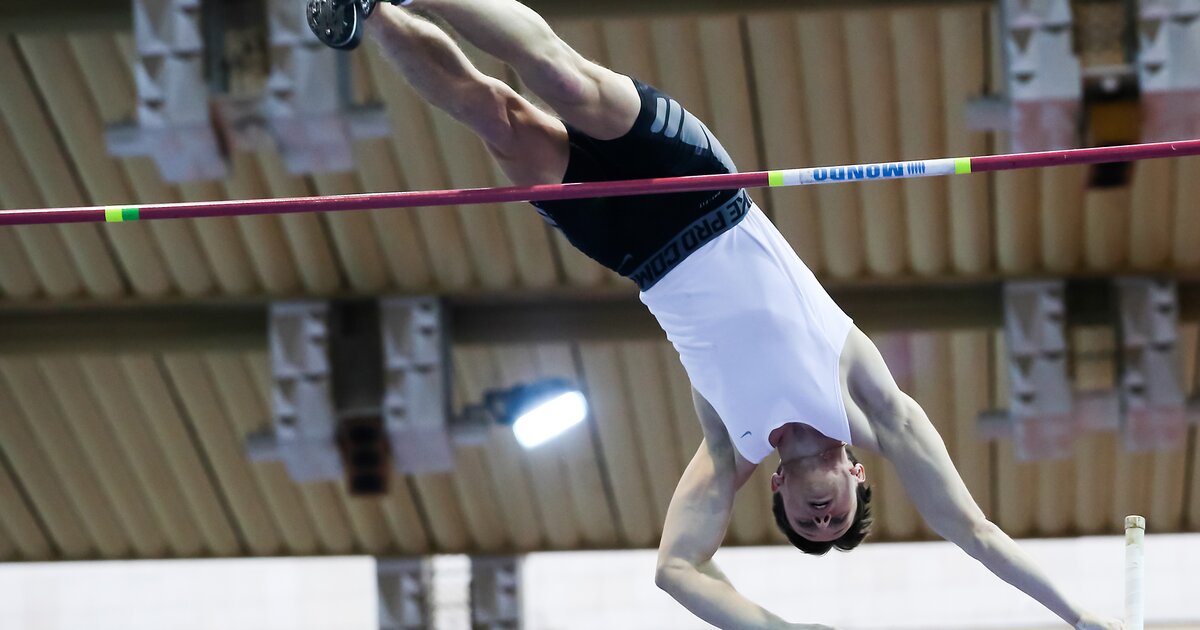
(538, 412)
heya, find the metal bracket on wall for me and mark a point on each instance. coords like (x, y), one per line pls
(304, 424)
(405, 593)
(190, 119)
(361, 387)
(416, 399)
(1169, 68)
(174, 125)
(1151, 375)
(1148, 406)
(496, 593)
(1044, 83)
(1040, 400)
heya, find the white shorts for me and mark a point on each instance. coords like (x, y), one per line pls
(759, 337)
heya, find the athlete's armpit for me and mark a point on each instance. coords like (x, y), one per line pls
(715, 433)
(716, 438)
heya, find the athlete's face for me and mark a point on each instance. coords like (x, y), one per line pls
(820, 493)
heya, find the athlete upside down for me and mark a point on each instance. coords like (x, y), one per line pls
(775, 365)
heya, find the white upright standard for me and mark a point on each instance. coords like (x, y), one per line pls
(1135, 569)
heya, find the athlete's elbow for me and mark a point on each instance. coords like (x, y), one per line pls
(980, 538)
(890, 407)
(668, 573)
(662, 579)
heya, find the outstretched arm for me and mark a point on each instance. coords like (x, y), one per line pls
(911, 443)
(697, 521)
(937, 490)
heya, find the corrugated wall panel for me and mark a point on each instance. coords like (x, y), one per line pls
(592, 504)
(919, 102)
(78, 473)
(874, 113)
(114, 398)
(307, 239)
(240, 486)
(164, 419)
(236, 395)
(822, 42)
(520, 508)
(519, 365)
(651, 420)
(126, 500)
(963, 78)
(1186, 204)
(26, 540)
(101, 180)
(266, 243)
(357, 249)
(221, 243)
(48, 165)
(39, 477)
(621, 451)
(780, 100)
(51, 269)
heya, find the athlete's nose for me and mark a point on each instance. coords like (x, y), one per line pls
(822, 521)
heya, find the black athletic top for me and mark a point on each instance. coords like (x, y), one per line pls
(626, 234)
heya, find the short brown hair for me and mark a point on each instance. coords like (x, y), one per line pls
(859, 529)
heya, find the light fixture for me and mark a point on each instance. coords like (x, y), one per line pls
(540, 411)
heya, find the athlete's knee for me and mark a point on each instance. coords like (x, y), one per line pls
(559, 75)
(518, 127)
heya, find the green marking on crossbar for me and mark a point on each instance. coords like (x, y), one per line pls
(121, 215)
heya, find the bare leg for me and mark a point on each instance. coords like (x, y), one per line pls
(600, 102)
(530, 145)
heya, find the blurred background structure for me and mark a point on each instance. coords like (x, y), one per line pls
(314, 385)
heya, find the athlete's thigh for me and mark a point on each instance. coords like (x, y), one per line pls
(589, 96)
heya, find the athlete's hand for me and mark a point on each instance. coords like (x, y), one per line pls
(1092, 622)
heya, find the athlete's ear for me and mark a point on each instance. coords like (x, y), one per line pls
(858, 472)
(776, 481)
